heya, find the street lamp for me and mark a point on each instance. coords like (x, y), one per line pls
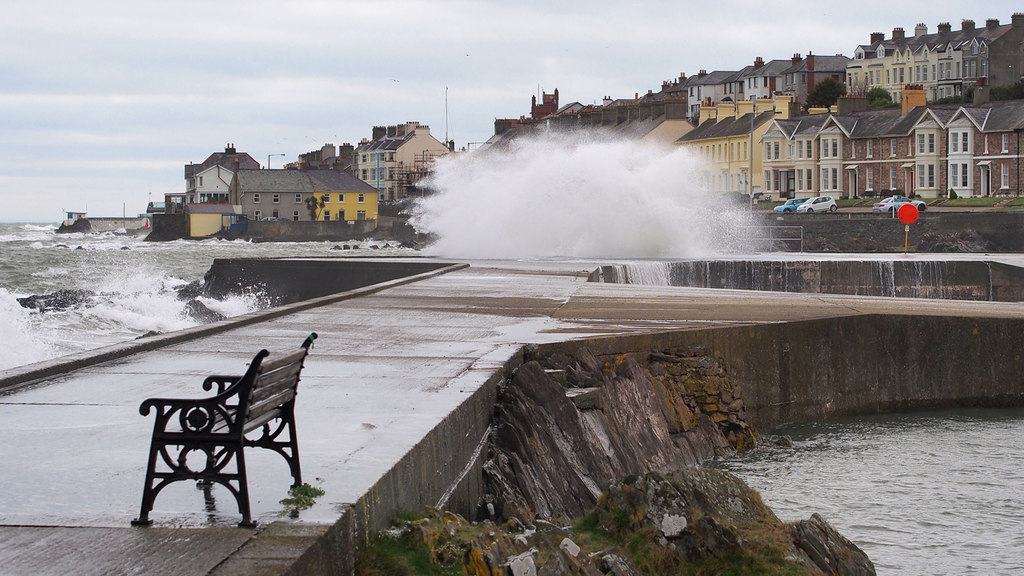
(268, 159)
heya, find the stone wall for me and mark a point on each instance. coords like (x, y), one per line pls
(819, 369)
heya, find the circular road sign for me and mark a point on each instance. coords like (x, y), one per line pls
(908, 213)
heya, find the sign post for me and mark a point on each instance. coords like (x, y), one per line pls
(907, 214)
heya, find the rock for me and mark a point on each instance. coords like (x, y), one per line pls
(615, 565)
(569, 547)
(55, 301)
(829, 550)
(522, 565)
(199, 312)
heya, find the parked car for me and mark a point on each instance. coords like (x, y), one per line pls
(791, 204)
(893, 203)
(818, 204)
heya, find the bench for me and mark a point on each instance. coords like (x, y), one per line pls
(213, 430)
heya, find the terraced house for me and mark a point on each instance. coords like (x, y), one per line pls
(947, 63)
(931, 151)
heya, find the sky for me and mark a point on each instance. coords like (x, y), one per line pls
(102, 103)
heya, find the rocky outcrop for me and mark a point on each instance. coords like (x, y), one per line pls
(693, 521)
(55, 301)
(568, 428)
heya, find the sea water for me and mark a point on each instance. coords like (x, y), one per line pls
(133, 285)
(929, 493)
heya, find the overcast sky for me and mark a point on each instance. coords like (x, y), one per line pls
(103, 102)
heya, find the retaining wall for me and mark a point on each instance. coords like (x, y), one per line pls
(820, 369)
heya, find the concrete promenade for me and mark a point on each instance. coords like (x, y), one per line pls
(388, 365)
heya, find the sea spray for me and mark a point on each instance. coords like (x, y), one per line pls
(564, 196)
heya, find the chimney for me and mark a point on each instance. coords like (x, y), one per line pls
(967, 26)
(229, 149)
(758, 63)
(796, 59)
(914, 95)
(920, 30)
(702, 73)
(945, 28)
(1017, 19)
(810, 72)
(877, 37)
(898, 34)
(992, 23)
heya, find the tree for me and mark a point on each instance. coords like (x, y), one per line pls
(878, 97)
(826, 93)
(315, 204)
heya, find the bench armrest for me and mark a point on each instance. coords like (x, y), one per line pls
(221, 382)
(194, 416)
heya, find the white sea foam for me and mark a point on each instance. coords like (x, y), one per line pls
(565, 196)
(24, 339)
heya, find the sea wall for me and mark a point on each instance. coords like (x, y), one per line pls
(955, 280)
(288, 280)
(933, 232)
(820, 369)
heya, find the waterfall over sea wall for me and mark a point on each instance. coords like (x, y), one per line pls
(952, 280)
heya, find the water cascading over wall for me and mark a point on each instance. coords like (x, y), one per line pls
(953, 280)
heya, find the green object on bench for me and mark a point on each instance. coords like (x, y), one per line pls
(216, 427)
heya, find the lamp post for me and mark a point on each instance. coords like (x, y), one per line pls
(268, 159)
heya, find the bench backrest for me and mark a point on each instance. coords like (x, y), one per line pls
(275, 383)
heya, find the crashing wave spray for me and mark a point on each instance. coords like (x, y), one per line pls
(564, 196)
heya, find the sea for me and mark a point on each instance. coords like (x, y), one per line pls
(121, 286)
(930, 493)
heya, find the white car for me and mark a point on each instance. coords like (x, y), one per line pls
(893, 203)
(818, 204)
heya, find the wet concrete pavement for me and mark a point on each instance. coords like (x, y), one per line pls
(386, 367)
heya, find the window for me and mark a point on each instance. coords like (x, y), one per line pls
(809, 144)
(868, 150)
(361, 215)
(800, 178)
(931, 143)
(341, 214)
(1006, 142)
(298, 198)
(362, 198)
(800, 149)
(276, 198)
(1004, 175)
(363, 172)
(964, 176)
(295, 216)
(892, 148)
(327, 215)
(810, 182)
(964, 139)
(274, 214)
(776, 148)
(892, 178)
(257, 215)
(835, 179)
(869, 179)
(256, 198)
(327, 198)
(200, 180)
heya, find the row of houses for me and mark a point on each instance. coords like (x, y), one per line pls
(848, 151)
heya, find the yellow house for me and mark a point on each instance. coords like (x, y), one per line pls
(728, 138)
(344, 197)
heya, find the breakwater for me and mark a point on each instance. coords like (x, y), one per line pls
(943, 279)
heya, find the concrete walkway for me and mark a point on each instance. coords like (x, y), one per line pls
(386, 368)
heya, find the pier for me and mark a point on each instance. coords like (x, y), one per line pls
(392, 408)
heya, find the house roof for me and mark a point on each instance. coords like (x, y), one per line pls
(225, 160)
(284, 181)
(335, 181)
